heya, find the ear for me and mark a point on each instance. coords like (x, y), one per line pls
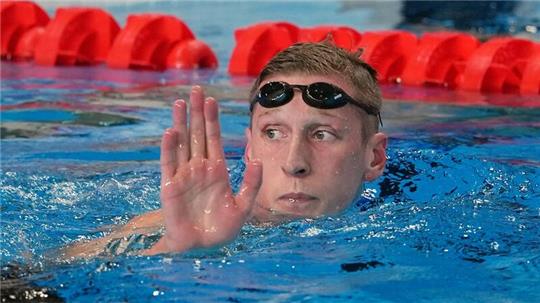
(376, 156)
(247, 151)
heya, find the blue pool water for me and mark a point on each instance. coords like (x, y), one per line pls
(455, 218)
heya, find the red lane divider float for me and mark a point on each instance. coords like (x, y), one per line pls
(77, 36)
(387, 52)
(190, 54)
(82, 36)
(436, 58)
(530, 83)
(157, 42)
(494, 65)
(257, 44)
(22, 24)
(446, 59)
(343, 36)
(146, 40)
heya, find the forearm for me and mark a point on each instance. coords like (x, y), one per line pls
(145, 224)
(85, 250)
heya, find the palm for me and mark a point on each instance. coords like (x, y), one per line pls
(204, 202)
(199, 208)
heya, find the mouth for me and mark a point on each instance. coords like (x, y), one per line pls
(287, 207)
(297, 198)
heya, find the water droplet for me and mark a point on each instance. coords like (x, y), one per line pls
(207, 211)
(510, 218)
(210, 230)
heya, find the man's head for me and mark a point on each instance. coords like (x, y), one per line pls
(315, 157)
(325, 58)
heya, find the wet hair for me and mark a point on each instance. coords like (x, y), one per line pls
(325, 58)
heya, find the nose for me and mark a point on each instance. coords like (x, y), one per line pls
(297, 163)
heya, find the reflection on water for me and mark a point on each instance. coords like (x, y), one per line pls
(459, 198)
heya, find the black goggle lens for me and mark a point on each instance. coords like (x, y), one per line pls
(325, 95)
(274, 94)
(319, 92)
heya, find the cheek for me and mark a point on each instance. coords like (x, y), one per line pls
(267, 152)
(343, 177)
(269, 158)
(349, 164)
(341, 191)
(258, 148)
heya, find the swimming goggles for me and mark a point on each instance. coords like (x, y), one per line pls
(319, 95)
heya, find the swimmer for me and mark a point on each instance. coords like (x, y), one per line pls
(313, 140)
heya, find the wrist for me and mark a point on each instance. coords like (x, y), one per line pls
(174, 245)
(165, 245)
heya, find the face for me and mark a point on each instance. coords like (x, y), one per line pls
(314, 160)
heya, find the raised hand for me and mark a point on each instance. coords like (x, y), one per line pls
(198, 206)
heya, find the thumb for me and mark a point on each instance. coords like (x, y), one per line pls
(250, 186)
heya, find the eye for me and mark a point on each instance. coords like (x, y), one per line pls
(273, 134)
(323, 135)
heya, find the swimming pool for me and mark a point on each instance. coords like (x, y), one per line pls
(456, 217)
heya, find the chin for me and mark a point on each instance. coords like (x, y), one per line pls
(263, 214)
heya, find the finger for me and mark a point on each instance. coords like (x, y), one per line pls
(196, 123)
(180, 126)
(214, 148)
(167, 157)
(250, 186)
